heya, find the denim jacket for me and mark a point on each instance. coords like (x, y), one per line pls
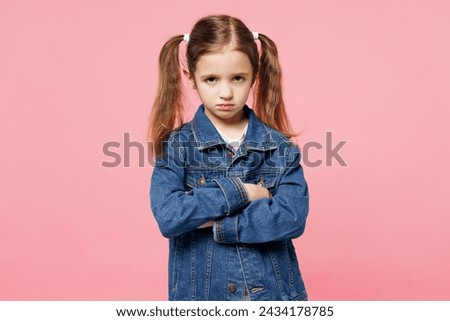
(249, 253)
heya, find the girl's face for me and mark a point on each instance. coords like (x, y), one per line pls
(223, 81)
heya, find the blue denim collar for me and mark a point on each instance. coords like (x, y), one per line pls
(258, 136)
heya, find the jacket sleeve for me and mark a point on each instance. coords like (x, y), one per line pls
(178, 211)
(280, 217)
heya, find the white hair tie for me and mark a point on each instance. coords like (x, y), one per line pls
(255, 35)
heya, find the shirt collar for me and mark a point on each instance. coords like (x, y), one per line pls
(258, 135)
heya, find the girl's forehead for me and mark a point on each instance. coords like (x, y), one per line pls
(229, 60)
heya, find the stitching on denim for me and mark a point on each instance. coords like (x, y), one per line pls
(301, 297)
(175, 268)
(225, 196)
(277, 274)
(198, 142)
(236, 225)
(229, 270)
(242, 269)
(289, 266)
(234, 180)
(194, 131)
(241, 188)
(219, 231)
(209, 254)
(193, 272)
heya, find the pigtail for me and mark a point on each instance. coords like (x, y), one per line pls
(168, 109)
(268, 97)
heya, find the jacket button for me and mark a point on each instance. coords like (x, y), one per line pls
(230, 153)
(261, 182)
(231, 288)
(201, 180)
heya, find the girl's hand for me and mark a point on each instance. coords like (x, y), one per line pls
(207, 224)
(256, 191)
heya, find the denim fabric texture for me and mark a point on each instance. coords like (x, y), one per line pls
(249, 250)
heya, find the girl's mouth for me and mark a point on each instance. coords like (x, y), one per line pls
(225, 106)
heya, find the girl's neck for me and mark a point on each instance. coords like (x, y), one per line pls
(232, 128)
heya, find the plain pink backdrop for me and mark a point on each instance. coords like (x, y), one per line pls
(75, 75)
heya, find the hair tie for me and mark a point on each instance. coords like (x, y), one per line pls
(255, 35)
(186, 37)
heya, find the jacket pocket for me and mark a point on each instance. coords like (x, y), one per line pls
(267, 179)
(195, 178)
(287, 271)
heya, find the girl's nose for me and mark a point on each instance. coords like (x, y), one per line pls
(225, 91)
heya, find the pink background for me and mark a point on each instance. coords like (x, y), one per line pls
(77, 74)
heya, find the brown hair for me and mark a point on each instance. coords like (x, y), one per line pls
(210, 34)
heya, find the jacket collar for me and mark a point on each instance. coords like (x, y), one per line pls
(258, 135)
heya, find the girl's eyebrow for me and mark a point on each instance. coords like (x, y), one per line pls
(241, 74)
(207, 76)
(233, 75)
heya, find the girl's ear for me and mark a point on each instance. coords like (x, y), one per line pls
(190, 78)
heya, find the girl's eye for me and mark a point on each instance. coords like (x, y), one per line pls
(239, 78)
(210, 80)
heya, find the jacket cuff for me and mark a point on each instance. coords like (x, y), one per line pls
(226, 230)
(234, 192)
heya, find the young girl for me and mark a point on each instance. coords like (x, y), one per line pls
(227, 188)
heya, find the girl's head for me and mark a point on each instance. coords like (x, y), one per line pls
(212, 35)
